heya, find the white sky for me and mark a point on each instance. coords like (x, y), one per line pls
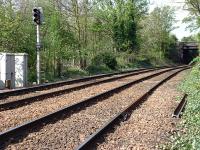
(181, 31)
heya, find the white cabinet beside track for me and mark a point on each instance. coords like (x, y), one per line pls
(13, 67)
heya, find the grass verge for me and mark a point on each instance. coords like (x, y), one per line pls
(188, 137)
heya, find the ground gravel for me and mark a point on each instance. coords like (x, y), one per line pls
(69, 132)
(151, 125)
(39, 92)
(14, 117)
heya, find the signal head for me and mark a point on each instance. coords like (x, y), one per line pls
(37, 16)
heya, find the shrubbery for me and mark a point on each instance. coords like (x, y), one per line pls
(107, 58)
(74, 73)
(96, 69)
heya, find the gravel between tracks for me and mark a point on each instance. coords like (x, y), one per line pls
(11, 118)
(17, 97)
(151, 124)
(69, 132)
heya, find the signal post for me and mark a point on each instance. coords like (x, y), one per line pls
(37, 18)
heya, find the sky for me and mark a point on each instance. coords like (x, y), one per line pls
(181, 31)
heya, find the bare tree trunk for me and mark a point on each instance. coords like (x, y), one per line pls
(77, 20)
(85, 5)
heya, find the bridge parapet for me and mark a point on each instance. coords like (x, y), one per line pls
(188, 51)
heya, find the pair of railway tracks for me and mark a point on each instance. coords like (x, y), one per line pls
(24, 128)
(41, 96)
(67, 82)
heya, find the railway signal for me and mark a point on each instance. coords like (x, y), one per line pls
(38, 19)
(38, 15)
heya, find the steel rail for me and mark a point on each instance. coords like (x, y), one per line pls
(92, 140)
(180, 108)
(60, 83)
(66, 82)
(31, 99)
(67, 110)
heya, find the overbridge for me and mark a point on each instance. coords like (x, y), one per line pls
(188, 51)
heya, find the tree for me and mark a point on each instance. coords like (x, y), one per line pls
(156, 32)
(193, 7)
(120, 19)
(76, 31)
(189, 39)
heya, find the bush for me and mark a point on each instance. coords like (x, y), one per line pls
(95, 69)
(107, 58)
(141, 63)
(74, 73)
(32, 76)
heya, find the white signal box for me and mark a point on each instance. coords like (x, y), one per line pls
(21, 68)
(13, 67)
(7, 69)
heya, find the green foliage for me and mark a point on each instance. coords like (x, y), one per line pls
(143, 63)
(98, 69)
(93, 35)
(107, 59)
(120, 18)
(125, 27)
(74, 73)
(155, 34)
(191, 38)
(190, 139)
(172, 52)
(193, 19)
(196, 60)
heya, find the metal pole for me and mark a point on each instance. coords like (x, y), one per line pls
(38, 54)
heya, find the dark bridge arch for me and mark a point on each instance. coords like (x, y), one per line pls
(189, 51)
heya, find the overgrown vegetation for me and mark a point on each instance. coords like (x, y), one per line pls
(90, 36)
(84, 37)
(189, 136)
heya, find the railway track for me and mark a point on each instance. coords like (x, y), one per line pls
(5, 94)
(14, 117)
(180, 107)
(70, 111)
(120, 117)
(21, 100)
(150, 126)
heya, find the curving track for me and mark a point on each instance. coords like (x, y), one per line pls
(122, 116)
(16, 116)
(14, 92)
(80, 119)
(27, 98)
